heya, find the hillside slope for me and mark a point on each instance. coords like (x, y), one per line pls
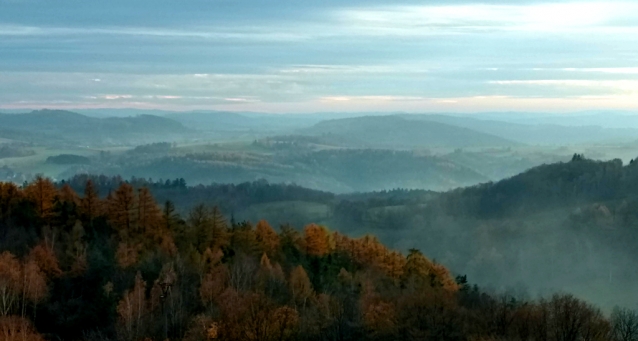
(338, 171)
(534, 133)
(73, 127)
(398, 132)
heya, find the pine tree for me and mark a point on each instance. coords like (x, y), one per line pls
(200, 224)
(10, 195)
(148, 214)
(219, 229)
(122, 210)
(243, 239)
(90, 204)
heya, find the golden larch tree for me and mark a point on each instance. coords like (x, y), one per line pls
(68, 195)
(300, 286)
(122, 206)
(267, 238)
(284, 323)
(90, 204)
(378, 316)
(316, 240)
(148, 212)
(127, 254)
(44, 256)
(213, 285)
(42, 193)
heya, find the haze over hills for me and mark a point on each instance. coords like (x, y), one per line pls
(567, 226)
(237, 147)
(602, 118)
(231, 121)
(567, 221)
(246, 170)
(339, 171)
(74, 127)
(398, 132)
(538, 131)
(526, 128)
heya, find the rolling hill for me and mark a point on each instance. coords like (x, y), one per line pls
(339, 171)
(231, 121)
(52, 125)
(534, 132)
(395, 132)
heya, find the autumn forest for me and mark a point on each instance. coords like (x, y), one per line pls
(124, 267)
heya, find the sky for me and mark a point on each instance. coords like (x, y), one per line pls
(315, 56)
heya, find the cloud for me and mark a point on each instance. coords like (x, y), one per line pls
(428, 20)
(202, 33)
(371, 98)
(607, 70)
(309, 55)
(111, 97)
(353, 69)
(617, 85)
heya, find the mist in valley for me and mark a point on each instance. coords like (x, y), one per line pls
(382, 175)
(318, 170)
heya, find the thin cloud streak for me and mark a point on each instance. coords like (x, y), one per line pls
(405, 56)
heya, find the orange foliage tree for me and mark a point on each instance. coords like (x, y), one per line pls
(267, 238)
(132, 312)
(14, 328)
(90, 204)
(122, 210)
(42, 193)
(317, 240)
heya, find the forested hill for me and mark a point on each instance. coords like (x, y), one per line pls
(398, 132)
(73, 127)
(565, 226)
(78, 267)
(562, 184)
(550, 186)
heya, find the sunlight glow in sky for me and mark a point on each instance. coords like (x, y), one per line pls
(309, 56)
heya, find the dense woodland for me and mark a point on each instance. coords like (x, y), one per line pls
(554, 225)
(80, 267)
(333, 169)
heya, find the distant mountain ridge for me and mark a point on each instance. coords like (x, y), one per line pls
(541, 133)
(71, 126)
(232, 121)
(398, 132)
